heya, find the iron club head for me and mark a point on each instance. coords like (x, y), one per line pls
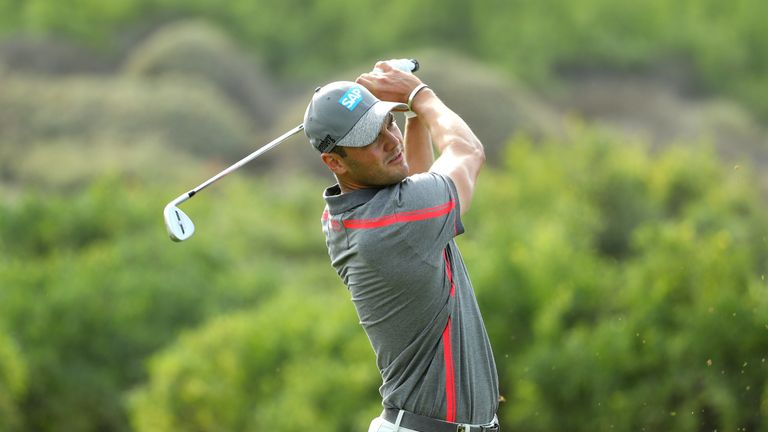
(178, 224)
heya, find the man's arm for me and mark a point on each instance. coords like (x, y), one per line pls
(418, 146)
(461, 153)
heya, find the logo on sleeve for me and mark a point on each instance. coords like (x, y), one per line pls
(352, 98)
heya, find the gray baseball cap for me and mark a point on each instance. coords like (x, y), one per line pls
(344, 113)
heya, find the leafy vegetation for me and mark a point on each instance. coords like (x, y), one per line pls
(623, 289)
(624, 292)
(301, 354)
(187, 115)
(199, 49)
(724, 45)
(91, 287)
(13, 379)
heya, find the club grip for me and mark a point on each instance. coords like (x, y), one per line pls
(405, 65)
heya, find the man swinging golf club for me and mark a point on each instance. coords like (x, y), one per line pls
(390, 224)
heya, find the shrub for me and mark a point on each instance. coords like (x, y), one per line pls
(622, 291)
(295, 363)
(200, 50)
(91, 286)
(13, 380)
(186, 116)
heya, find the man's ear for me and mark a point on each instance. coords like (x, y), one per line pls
(334, 163)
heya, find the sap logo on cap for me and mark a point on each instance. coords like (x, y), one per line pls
(351, 98)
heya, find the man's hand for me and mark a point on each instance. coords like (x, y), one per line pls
(391, 84)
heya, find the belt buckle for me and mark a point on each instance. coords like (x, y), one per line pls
(468, 428)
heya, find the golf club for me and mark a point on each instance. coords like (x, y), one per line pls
(178, 224)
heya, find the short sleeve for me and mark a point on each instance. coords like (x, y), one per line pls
(428, 203)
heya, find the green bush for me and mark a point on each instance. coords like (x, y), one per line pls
(91, 286)
(724, 46)
(73, 163)
(294, 363)
(185, 116)
(199, 49)
(623, 291)
(493, 104)
(13, 381)
(90, 296)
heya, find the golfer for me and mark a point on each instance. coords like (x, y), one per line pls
(390, 224)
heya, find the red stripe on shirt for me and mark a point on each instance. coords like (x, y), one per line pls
(450, 377)
(403, 217)
(450, 380)
(448, 271)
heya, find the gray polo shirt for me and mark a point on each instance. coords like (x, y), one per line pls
(394, 249)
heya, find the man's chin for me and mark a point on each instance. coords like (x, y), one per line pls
(402, 173)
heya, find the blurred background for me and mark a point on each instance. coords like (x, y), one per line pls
(618, 241)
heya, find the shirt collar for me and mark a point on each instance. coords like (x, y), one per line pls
(341, 202)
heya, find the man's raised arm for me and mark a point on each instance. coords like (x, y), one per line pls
(461, 153)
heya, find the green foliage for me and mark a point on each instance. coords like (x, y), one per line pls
(201, 50)
(622, 291)
(88, 310)
(91, 286)
(71, 163)
(76, 18)
(95, 113)
(294, 363)
(725, 44)
(13, 381)
(483, 91)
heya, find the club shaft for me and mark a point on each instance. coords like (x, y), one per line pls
(265, 148)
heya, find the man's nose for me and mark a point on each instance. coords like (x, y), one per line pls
(390, 140)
